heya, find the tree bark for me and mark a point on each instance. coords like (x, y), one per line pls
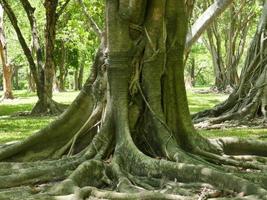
(15, 77)
(62, 66)
(7, 68)
(205, 20)
(50, 36)
(81, 74)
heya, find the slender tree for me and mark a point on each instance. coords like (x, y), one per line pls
(7, 68)
(129, 131)
(42, 67)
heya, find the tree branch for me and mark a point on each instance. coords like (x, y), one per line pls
(202, 23)
(90, 20)
(62, 8)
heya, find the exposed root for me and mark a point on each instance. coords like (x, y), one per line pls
(50, 107)
(237, 146)
(94, 192)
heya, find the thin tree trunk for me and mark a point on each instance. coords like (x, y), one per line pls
(81, 74)
(15, 77)
(7, 68)
(76, 79)
(62, 70)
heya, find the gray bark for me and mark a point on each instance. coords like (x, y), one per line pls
(203, 22)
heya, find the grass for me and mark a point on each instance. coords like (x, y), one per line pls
(235, 132)
(18, 127)
(14, 127)
(198, 102)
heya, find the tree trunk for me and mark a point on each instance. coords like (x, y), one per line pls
(214, 46)
(31, 83)
(7, 68)
(50, 37)
(246, 100)
(129, 132)
(80, 76)
(75, 79)
(15, 76)
(62, 70)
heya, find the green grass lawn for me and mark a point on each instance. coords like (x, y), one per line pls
(14, 127)
(198, 102)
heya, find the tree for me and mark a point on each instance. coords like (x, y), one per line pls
(226, 42)
(130, 129)
(245, 101)
(7, 68)
(42, 69)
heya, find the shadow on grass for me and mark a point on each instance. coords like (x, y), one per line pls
(16, 128)
(10, 109)
(235, 132)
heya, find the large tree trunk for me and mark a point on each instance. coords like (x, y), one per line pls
(7, 68)
(250, 95)
(128, 135)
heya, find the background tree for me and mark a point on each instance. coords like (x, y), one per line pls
(226, 42)
(43, 74)
(245, 101)
(7, 68)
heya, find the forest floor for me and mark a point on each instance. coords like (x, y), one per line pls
(15, 126)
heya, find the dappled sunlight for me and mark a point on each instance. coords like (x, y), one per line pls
(15, 127)
(201, 101)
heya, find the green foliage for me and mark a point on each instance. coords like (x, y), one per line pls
(72, 28)
(246, 12)
(204, 75)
